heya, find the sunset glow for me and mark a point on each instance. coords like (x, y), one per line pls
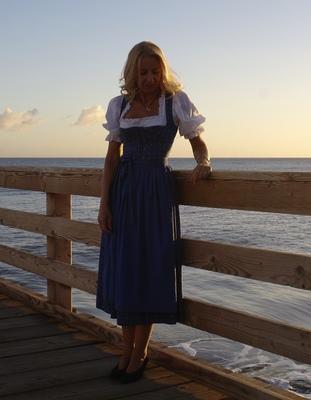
(244, 64)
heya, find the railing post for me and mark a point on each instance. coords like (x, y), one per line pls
(59, 205)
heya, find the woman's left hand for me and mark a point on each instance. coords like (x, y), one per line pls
(200, 172)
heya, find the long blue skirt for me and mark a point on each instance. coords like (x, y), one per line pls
(139, 259)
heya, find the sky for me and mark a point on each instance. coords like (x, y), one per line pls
(245, 65)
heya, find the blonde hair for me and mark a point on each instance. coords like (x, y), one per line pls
(128, 78)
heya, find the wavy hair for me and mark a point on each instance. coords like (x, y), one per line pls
(128, 80)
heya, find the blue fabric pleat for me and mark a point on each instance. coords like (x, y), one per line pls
(139, 275)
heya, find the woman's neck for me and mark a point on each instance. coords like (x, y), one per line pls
(147, 99)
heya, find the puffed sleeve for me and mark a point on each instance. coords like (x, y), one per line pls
(190, 121)
(113, 119)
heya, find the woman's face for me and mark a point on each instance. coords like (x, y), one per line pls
(149, 74)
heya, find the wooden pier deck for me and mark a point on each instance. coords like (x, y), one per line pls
(49, 350)
(42, 358)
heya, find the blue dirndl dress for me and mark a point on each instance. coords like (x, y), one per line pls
(139, 273)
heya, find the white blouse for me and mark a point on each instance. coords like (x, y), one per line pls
(185, 115)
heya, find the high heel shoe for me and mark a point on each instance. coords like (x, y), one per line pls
(129, 377)
(117, 373)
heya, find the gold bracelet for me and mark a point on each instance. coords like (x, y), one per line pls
(206, 163)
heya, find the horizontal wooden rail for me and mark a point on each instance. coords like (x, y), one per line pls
(243, 327)
(239, 386)
(268, 194)
(72, 275)
(78, 181)
(279, 192)
(283, 268)
(77, 231)
(274, 336)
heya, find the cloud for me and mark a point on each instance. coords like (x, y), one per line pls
(90, 115)
(11, 120)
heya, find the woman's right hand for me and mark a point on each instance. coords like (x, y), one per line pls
(105, 219)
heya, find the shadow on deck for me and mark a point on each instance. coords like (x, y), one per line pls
(42, 358)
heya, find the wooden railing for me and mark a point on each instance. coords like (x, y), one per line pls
(280, 192)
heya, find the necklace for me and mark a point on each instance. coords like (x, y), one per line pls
(147, 106)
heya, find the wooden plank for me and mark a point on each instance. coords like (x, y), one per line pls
(10, 312)
(54, 376)
(274, 336)
(296, 343)
(154, 380)
(184, 391)
(25, 320)
(265, 265)
(66, 274)
(64, 172)
(283, 268)
(30, 332)
(283, 192)
(48, 343)
(87, 380)
(233, 384)
(78, 231)
(228, 175)
(278, 196)
(229, 398)
(79, 181)
(59, 249)
(43, 360)
(10, 303)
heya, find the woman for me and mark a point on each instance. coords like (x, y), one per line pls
(138, 215)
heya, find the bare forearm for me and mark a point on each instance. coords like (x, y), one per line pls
(200, 153)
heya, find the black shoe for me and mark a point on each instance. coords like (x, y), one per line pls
(129, 377)
(117, 373)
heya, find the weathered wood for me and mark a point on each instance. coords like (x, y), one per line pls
(9, 303)
(54, 376)
(59, 205)
(184, 391)
(282, 192)
(28, 362)
(78, 231)
(268, 191)
(227, 175)
(221, 321)
(49, 343)
(29, 332)
(237, 385)
(70, 275)
(69, 372)
(265, 265)
(26, 320)
(79, 181)
(8, 173)
(296, 344)
(8, 312)
(283, 268)
(278, 196)
(274, 336)
(93, 384)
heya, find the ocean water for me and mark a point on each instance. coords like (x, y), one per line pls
(256, 229)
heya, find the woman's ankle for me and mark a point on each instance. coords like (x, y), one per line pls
(124, 361)
(135, 356)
